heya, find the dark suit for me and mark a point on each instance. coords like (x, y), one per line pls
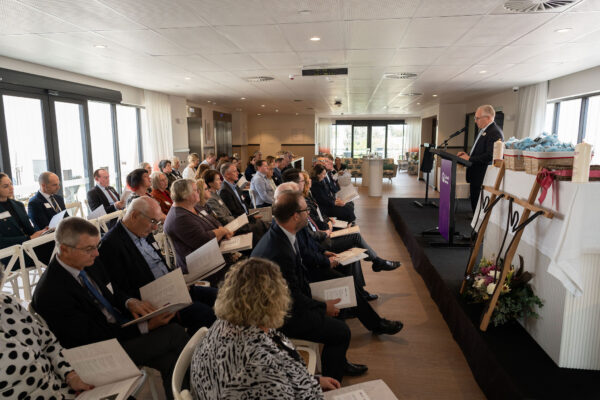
(326, 201)
(231, 200)
(333, 185)
(129, 270)
(307, 319)
(17, 228)
(73, 316)
(277, 177)
(40, 210)
(482, 156)
(96, 197)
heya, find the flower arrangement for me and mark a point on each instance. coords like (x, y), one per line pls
(516, 299)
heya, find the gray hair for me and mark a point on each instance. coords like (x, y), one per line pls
(44, 177)
(488, 111)
(285, 188)
(181, 189)
(225, 167)
(175, 160)
(70, 229)
(140, 204)
(154, 179)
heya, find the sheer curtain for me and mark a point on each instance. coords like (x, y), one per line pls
(157, 140)
(324, 139)
(413, 133)
(531, 111)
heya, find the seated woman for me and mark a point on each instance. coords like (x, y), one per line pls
(243, 355)
(138, 181)
(251, 169)
(189, 224)
(190, 171)
(159, 191)
(15, 226)
(325, 199)
(214, 202)
(166, 168)
(33, 366)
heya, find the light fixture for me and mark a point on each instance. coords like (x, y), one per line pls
(276, 110)
(418, 104)
(434, 95)
(262, 105)
(208, 101)
(563, 30)
(315, 39)
(187, 78)
(304, 12)
(100, 46)
(297, 114)
(483, 71)
(399, 75)
(259, 114)
(238, 109)
(242, 98)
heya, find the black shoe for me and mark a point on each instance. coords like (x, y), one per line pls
(354, 369)
(379, 264)
(370, 296)
(387, 327)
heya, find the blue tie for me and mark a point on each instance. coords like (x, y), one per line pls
(100, 298)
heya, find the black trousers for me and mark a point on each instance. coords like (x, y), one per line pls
(200, 313)
(344, 213)
(158, 349)
(475, 190)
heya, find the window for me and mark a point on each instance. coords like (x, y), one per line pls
(102, 138)
(549, 122)
(129, 151)
(360, 141)
(395, 144)
(27, 152)
(592, 127)
(378, 140)
(343, 141)
(70, 130)
(568, 120)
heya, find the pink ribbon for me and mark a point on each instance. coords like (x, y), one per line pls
(546, 179)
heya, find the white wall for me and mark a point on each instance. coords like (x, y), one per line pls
(506, 101)
(577, 84)
(179, 123)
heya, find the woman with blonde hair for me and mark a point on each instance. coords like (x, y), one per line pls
(243, 355)
(190, 171)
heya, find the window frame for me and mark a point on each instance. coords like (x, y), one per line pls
(369, 123)
(583, 113)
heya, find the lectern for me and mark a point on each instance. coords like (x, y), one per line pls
(448, 195)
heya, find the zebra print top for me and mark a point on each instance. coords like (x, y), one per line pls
(238, 363)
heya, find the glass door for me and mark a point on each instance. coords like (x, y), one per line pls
(396, 142)
(378, 140)
(343, 141)
(71, 130)
(359, 145)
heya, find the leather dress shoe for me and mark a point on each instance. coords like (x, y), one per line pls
(385, 265)
(370, 296)
(354, 369)
(387, 327)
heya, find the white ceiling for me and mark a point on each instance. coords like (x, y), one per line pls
(203, 49)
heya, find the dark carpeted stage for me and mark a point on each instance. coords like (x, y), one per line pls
(506, 362)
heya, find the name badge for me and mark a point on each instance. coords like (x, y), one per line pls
(204, 213)
(5, 215)
(47, 205)
(155, 245)
(221, 202)
(110, 288)
(167, 203)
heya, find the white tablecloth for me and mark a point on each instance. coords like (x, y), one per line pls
(566, 238)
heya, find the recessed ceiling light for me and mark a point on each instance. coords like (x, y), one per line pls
(187, 78)
(208, 101)
(315, 39)
(418, 104)
(434, 95)
(411, 94)
(483, 71)
(100, 46)
(242, 98)
(262, 105)
(259, 114)
(256, 79)
(304, 12)
(297, 113)
(563, 30)
(276, 110)
(399, 75)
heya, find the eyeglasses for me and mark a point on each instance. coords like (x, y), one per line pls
(89, 249)
(299, 211)
(152, 220)
(478, 118)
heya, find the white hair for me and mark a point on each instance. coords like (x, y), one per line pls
(140, 204)
(487, 110)
(286, 187)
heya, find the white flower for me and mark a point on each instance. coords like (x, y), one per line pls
(494, 274)
(491, 287)
(479, 282)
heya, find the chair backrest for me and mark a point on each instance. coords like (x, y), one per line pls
(75, 208)
(312, 350)
(101, 222)
(28, 247)
(252, 197)
(7, 272)
(183, 363)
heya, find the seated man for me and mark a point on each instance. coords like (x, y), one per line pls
(231, 194)
(103, 194)
(261, 186)
(311, 319)
(133, 259)
(277, 178)
(325, 197)
(46, 203)
(81, 305)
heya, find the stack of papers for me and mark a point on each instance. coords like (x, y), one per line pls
(97, 213)
(237, 223)
(350, 256)
(266, 213)
(347, 194)
(242, 182)
(371, 390)
(204, 261)
(340, 288)
(339, 224)
(237, 243)
(56, 219)
(344, 232)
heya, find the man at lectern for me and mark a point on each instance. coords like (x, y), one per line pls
(482, 152)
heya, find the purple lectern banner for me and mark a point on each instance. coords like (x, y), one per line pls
(445, 184)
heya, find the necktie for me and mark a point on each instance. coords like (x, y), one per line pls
(240, 199)
(110, 193)
(476, 140)
(297, 249)
(312, 224)
(54, 203)
(100, 298)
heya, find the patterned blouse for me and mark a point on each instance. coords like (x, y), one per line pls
(31, 359)
(236, 363)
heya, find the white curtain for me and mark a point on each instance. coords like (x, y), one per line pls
(324, 139)
(531, 111)
(412, 133)
(157, 139)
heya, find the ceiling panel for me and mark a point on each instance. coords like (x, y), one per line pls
(322, 58)
(370, 57)
(379, 34)
(455, 7)
(201, 40)
(587, 5)
(16, 18)
(278, 60)
(192, 63)
(158, 13)
(86, 41)
(234, 61)
(298, 35)
(465, 55)
(502, 29)
(417, 56)
(260, 38)
(234, 12)
(145, 41)
(379, 9)
(579, 23)
(515, 54)
(435, 32)
(303, 11)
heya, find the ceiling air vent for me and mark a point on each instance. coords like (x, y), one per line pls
(537, 5)
(412, 94)
(399, 75)
(255, 79)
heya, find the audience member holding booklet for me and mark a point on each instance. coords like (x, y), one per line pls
(204, 261)
(341, 289)
(370, 390)
(133, 259)
(107, 367)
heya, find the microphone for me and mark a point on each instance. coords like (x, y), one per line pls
(455, 134)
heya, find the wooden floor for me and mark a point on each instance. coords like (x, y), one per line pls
(422, 361)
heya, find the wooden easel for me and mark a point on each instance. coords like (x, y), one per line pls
(525, 219)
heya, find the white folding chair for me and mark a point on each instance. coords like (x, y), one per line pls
(252, 197)
(75, 208)
(9, 274)
(31, 274)
(312, 349)
(183, 363)
(101, 222)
